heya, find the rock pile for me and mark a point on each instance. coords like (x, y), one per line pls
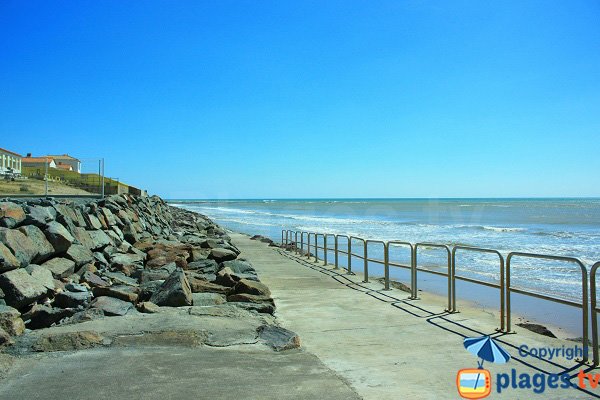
(64, 262)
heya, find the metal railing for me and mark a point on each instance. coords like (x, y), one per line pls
(477, 281)
(504, 284)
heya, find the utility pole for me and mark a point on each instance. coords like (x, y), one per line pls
(103, 178)
(46, 177)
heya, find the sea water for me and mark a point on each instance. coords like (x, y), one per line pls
(563, 227)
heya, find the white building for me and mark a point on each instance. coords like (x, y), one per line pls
(10, 162)
(67, 160)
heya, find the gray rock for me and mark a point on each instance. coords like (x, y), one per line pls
(239, 267)
(39, 215)
(278, 338)
(208, 299)
(147, 289)
(20, 288)
(7, 259)
(99, 240)
(204, 266)
(120, 278)
(174, 292)
(76, 287)
(221, 255)
(20, 245)
(122, 292)
(148, 307)
(43, 316)
(72, 299)
(44, 249)
(58, 236)
(83, 237)
(262, 308)
(79, 254)
(93, 223)
(5, 339)
(93, 280)
(119, 259)
(60, 267)
(11, 214)
(112, 306)
(41, 275)
(10, 321)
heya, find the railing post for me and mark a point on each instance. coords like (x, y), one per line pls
(325, 249)
(336, 251)
(366, 265)
(316, 247)
(301, 243)
(413, 273)
(296, 242)
(349, 255)
(308, 246)
(594, 313)
(386, 265)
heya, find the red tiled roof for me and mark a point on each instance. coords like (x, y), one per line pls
(35, 160)
(62, 157)
(11, 152)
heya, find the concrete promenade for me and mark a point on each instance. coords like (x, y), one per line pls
(389, 347)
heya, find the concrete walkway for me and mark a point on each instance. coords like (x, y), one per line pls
(384, 345)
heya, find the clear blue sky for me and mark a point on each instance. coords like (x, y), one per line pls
(268, 99)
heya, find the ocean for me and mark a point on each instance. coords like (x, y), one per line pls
(564, 227)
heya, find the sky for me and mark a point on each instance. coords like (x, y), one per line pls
(310, 99)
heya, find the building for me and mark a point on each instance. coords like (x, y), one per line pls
(66, 159)
(10, 162)
(38, 162)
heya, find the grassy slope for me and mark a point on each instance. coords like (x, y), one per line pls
(37, 187)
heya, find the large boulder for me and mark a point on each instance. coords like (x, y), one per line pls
(42, 275)
(58, 236)
(10, 321)
(221, 255)
(43, 316)
(204, 266)
(20, 245)
(122, 292)
(11, 214)
(174, 292)
(20, 288)
(72, 299)
(7, 259)
(202, 286)
(60, 267)
(39, 216)
(239, 267)
(44, 249)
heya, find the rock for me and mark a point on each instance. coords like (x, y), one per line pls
(539, 329)
(204, 266)
(20, 245)
(251, 287)
(226, 277)
(68, 341)
(99, 240)
(58, 236)
(5, 339)
(202, 286)
(220, 255)
(44, 249)
(112, 306)
(76, 287)
(10, 321)
(72, 299)
(122, 292)
(83, 237)
(249, 298)
(120, 278)
(174, 292)
(93, 280)
(7, 260)
(43, 316)
(93, 223)
(149, 288)
(84, 316)
(79, 254)
(42, 275)
(240, 267)
(262, 308)
(20, 288)
(126, 259)
(60, 267)
(278, 338)
(11, 214)
(208, 299)
(148, 307)
(39, 216)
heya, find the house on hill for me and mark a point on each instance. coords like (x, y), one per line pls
(10, 162)
(66, 160)
(38, 162)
